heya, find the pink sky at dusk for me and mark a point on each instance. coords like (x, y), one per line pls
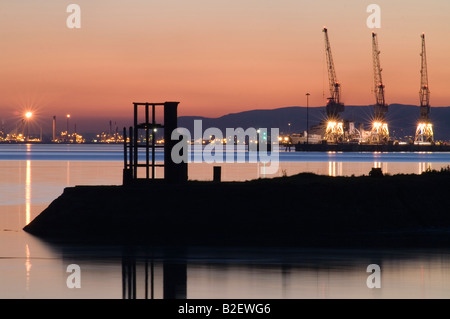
(213, 56)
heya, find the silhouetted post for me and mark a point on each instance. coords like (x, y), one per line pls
(217, 174)
(153, 139)
(173, 173)
(130, 148)
(125, 159)
(126, 167)
(147, 143)
(54, 128)
(175, 281)
(135, 140)
(307, 118)
(257, 140)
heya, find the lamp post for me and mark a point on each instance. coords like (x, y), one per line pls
(28, 116)
(68, 117)
(307, 118)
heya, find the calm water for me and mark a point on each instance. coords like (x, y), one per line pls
(32, 176)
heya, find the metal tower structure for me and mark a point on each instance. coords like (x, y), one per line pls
(424, 131)
(335, 130)
(380, 130)
(142, 141)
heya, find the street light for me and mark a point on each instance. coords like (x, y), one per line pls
(68, 117)
(28, 116)
(307, 118)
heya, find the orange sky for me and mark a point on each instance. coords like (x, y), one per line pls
(214, 56)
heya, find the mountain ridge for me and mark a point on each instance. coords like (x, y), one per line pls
(402, 119)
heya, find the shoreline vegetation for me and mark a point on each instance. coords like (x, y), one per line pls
(304, 210)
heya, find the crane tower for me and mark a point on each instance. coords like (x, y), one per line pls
(380, 131)
(424, 131)
(335, 130)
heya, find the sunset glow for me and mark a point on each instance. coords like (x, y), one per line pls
(215, 57)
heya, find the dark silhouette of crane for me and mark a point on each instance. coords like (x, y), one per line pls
(380, 130)
(334, 130)
(424, 131)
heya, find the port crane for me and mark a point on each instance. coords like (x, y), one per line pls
(380, 131)
(335, 129)
(424, 131)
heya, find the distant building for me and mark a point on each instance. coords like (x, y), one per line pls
(108, 138)
(65, 138)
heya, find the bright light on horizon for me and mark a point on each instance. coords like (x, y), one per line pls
(377, 125)
(28, 115)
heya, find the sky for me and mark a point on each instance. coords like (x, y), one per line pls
(213, 56)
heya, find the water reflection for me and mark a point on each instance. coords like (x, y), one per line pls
(138, 279)
(335, 169)
(68, 173)
(28, 193)
(328, 274)
(221, 273)
(385, 167)
(129, 278)
(27, 266)
(286, 274)
(423, 167)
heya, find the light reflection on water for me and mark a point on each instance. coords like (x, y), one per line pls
(243, 273)
(31, 268)
(28, 193)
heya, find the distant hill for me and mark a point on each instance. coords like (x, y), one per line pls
(402, 119)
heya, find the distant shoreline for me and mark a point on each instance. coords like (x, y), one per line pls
(49, 143)
(403, 148)
(371, 148)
